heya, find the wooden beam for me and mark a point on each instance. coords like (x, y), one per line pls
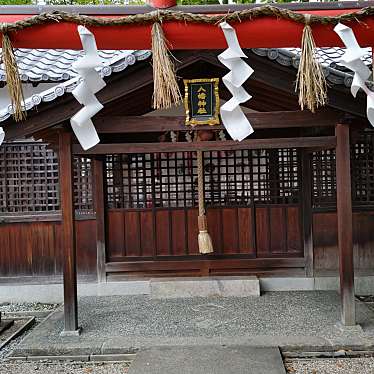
(257, 263)
(344, 212)
(229, 145)
(98, 185)
(68, 229)
(259, 120)
(307, 215)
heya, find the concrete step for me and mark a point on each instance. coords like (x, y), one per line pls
(165, 288)
(208, 360)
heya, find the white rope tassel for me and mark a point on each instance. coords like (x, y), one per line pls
(233, 118)
(91, 83)
(352, 60)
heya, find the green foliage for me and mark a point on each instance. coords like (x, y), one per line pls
(15, 2)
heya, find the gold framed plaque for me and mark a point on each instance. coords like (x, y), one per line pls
(201, 101)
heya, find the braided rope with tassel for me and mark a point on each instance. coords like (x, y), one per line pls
(204, 239)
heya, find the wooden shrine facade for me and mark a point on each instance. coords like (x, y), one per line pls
(271, 198)
(254, 203)
(135, 195)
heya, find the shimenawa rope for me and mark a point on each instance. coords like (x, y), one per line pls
(163, 66)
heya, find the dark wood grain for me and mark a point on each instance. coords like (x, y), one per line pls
(147, 234)
(116, 234)
(258, 120)
(345, 225)
(132, 234)
(306, 142)
(70, 268)
(163, 232)
(98, 186)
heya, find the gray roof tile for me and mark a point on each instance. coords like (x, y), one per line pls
(55, 65)
(36, 68)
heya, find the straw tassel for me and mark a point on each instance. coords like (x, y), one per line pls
(166, 90)
(13, 79)
(310, 80)
(204, 239)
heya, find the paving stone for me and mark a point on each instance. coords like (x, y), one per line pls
(208, 360)
(81, 358)
(169, 288)
(113, 357)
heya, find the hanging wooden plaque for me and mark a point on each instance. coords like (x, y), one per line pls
(201, 101)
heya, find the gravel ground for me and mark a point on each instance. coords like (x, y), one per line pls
(331, 366)
(20, 307)
(63, 368)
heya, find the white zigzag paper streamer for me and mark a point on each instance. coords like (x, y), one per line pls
(91, 83)
(233, 118)
(352, 60)
(2, 135)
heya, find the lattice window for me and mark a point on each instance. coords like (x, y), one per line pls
(231, 178)
(83, 197)
(324, 178)
(28, 178)
(362, 173)
(362, 159)
(151, 180)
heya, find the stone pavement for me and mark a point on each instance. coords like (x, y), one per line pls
(125, 324)
(208, 360)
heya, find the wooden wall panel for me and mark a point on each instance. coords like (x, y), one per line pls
(325, 241)
(363, 240)
(193, 232)
(262, 232)
(230, 230)
(132, 234)
(246, 237)
(278, 230)
(215, 228)
(40, 249)
(178, 232)
(163, 232)
(5, 250)
(116, 234)
(294, 239)
(147, 233)
(34, 249)
(86, 246)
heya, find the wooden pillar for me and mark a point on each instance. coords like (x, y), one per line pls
(307, 214)
(68, 232)
(344, 212)
(98, 174)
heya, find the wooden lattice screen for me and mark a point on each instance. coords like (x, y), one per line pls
(83, 197)
(231, 178)
(362, 173)
(29, 180)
